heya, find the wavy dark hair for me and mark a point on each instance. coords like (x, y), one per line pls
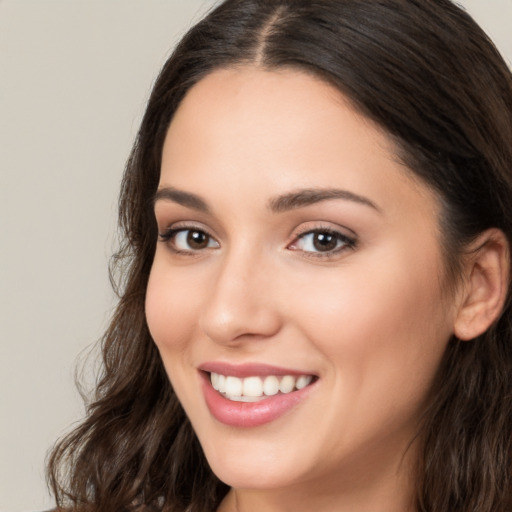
(429, 76)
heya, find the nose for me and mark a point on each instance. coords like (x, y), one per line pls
(242, 303)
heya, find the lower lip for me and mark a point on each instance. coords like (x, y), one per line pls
(250, 414)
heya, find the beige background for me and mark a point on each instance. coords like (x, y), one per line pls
(74, 77)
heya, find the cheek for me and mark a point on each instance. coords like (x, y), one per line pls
(171, 314)
(384, 325)
(171, 310)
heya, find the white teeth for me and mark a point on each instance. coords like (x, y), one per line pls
(287, 384)
(271, 385)
(253, 386)
(234, 386)
(252, 389)
(214, 377)
(221, 383)
(303, 381)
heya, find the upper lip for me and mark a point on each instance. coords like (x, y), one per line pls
(248, 369)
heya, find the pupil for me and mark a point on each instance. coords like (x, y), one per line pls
(197, 239)
(324, 242)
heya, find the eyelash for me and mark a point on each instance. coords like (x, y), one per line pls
(339, 238)
(169, 237)
(346, 242)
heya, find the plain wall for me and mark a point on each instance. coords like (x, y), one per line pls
(74, 78)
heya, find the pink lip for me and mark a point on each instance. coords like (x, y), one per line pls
(248, 370)
(249, 414)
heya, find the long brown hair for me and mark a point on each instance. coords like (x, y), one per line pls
(426, 73)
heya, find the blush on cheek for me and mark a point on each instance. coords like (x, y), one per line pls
(170, 315)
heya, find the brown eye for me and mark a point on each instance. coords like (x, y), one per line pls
(324, 241)
(187, 240)
(197, 239)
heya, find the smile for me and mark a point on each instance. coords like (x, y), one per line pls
(252, 395)
(253, 389)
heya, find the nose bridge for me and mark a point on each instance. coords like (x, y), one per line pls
(240, 303)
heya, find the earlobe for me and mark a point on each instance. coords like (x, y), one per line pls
(486, 283)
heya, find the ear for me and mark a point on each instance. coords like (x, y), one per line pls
(486, 280)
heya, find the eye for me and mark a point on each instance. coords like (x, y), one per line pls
(186, 240)
(322, 242)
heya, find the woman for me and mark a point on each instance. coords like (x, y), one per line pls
(315, 302)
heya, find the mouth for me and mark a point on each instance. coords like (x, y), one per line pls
(253, 395)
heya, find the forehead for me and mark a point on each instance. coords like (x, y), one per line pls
(266, 100)
(272, 131)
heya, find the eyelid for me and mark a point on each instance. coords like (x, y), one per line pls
(349, 240)
(184, 225)
(166, 235)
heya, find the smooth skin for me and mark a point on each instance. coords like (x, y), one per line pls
(348, 285)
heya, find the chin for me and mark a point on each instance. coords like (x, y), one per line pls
(250, 475)
(243, 465)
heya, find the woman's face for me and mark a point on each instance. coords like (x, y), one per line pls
(299, 268)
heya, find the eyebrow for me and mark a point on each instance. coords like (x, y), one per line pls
(279, 204)
(309, 196)
(181, 197)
